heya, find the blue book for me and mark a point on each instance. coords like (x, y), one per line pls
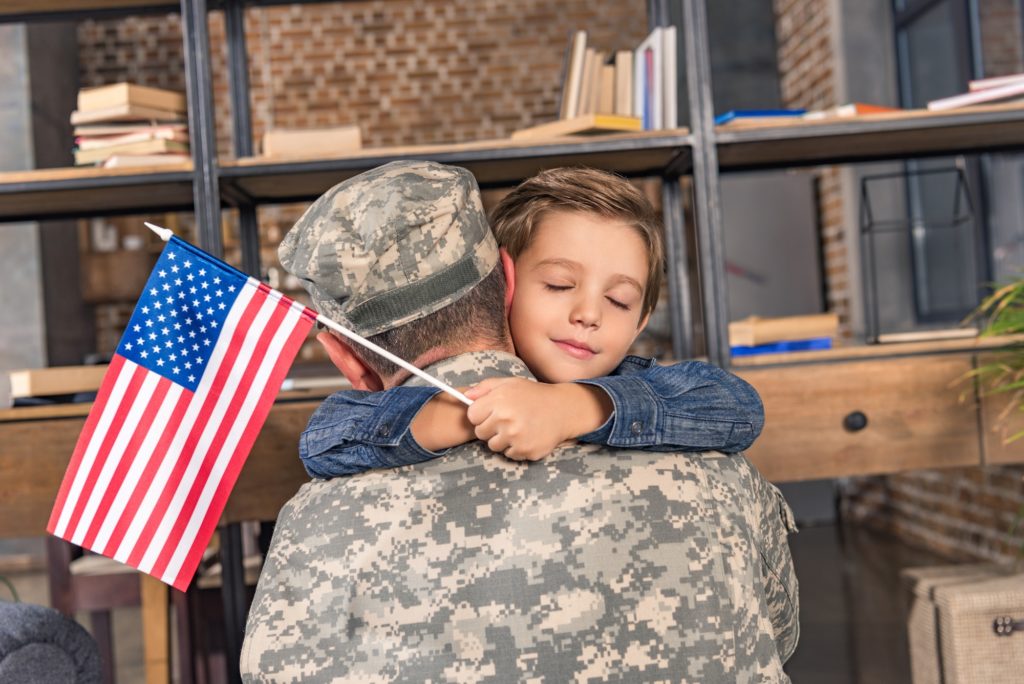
(757, 114)
(812, 344)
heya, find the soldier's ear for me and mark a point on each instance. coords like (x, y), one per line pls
(509, 266)
(350, 365)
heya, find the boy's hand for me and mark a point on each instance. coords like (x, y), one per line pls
(526, 420)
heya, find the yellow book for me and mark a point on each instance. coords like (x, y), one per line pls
(754, 331)
(589, 124)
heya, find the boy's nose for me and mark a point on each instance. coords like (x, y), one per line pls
(586, 313)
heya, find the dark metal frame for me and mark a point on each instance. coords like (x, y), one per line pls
(870, 227)
(968, 50)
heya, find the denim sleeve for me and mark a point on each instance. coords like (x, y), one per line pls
(689, 406)
(354, 431)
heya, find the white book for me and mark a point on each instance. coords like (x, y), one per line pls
(1010, 91)
(993, 82)
(669, 71)
(647, 86)
(571, 96)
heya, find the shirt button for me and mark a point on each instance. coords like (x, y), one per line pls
(383, 430)
(636, 427)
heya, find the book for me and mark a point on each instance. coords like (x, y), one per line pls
(928, 335)
(754, 330)
(740, 114)
(596, 69)
(848, 110)
(669, 83)
(588, 124)
(993, 82)
(127, 112)
(120, 161)
(125, 94)
(98, 130)
(1010, 91)
(624, 83)
(571, 86)
(139, 147)
(311, 142)
(647, 85)
(150, 133)
(606, 98)
(586, 82)
(813, 344)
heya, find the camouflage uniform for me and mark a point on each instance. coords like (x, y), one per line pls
(594, 564)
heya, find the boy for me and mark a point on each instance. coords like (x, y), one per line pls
(587, 262)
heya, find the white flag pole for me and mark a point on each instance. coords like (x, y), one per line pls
(165, 235)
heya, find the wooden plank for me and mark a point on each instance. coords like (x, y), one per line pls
(40, 382)
(878, 351)
(914, 418)
(35, 454)
(490, 161)
(155, 630)
(999, 421)
(878, 136)
(31, 7)
(85, 173)
(33, 458)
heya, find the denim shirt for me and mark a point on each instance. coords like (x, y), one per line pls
(689, 406)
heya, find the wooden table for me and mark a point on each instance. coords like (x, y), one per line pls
(918, 412)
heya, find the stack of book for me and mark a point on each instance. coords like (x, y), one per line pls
(622, 90)
(756, 335)
(984, 91)
(130, 125)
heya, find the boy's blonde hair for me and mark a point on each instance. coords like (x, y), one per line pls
(587, 191)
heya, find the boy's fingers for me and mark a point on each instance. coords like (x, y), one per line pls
(497, 444)
(485, 430)
(478, 412)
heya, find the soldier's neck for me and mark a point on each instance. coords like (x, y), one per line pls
(441, 353)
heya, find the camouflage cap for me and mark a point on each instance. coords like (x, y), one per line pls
(392, 245)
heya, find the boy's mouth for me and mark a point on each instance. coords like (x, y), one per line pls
(577, 350)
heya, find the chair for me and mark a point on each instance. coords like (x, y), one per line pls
(38, 645)
(97, 585)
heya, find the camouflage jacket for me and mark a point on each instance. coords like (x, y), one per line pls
(594, 564)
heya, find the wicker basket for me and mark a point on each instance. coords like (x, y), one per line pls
(950, 620)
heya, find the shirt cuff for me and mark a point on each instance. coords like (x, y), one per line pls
(635, 413)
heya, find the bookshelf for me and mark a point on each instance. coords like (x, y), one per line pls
(701, 153)
(47, 194)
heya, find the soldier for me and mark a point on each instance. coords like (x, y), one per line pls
(595, 563)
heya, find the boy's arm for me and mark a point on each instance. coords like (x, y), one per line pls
(688, 406)
(354, 431)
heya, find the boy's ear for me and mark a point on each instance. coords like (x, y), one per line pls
(350, 365)
(643, 324)
(509, 267)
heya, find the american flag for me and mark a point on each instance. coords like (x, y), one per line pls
(192, 381)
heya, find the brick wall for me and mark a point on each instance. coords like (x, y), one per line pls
(408, 72)
(807, 73)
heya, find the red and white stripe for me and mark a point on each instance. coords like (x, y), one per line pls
(155, 462)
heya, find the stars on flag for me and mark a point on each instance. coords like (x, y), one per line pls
(180, 315)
